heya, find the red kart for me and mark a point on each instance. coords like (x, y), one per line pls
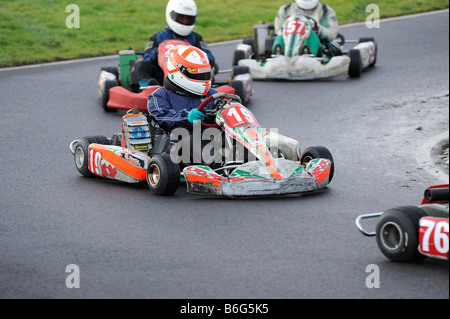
(113, 82)
(411, 233)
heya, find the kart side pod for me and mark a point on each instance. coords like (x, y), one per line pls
(118, 163)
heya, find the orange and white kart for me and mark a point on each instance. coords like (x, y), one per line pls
(114, 87)
(412, 233)
(261, 162)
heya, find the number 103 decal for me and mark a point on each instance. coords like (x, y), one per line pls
(433, 236)
(237, 115)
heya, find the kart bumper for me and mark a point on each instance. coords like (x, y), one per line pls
(203, 180)
(297, 68)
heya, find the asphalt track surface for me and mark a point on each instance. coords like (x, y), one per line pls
(129, 244)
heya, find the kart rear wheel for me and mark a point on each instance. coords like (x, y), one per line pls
(163, 175)
(240, 70)
(81, 154)
(354, 69)
(397, 233)
(314, 152)
(237, 56)
(111, 69)
(250, 42)
(105, 94)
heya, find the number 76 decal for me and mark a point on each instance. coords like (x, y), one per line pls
(433, 236)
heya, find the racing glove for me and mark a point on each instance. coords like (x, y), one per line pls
(195, 115)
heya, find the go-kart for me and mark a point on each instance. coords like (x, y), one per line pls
(261, 162)
(299, 54)
(412, 233)
(116, 92)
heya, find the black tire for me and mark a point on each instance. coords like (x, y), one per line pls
(237, 56)
(111, 69)
(354, 69)
(397, 233)
(278, 50)
(215, 68)
(239, 89)
(304, 49)
(366, 39)
(105, 94)
(314, 152)
(163, 175)
(268, 43)
(81, 155)
(250, 42)
(239, 70)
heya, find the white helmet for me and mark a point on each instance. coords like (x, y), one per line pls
(189, 69)
(181, 15)
(307, 4)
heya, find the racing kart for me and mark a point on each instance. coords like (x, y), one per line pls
(299, 54)
(116, 92)
(412, 233)
(267, 163)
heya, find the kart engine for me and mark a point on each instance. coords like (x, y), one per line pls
(136, 132)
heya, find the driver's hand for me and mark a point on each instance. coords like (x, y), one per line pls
(195, 115)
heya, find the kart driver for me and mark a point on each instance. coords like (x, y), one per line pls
(180, 17)
(325, 16)
(188, 83)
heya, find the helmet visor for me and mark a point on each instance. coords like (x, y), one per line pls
(194, 74)
(182, 18)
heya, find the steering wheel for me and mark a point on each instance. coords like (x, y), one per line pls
(219, 95)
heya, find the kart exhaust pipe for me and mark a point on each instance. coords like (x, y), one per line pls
(436, 194)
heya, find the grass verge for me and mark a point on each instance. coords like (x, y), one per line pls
(35, 31)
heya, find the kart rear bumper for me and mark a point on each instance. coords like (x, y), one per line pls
(297, 68)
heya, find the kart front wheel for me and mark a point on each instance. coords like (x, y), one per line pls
(163, 175)
(314, 152)
(354, 69)
(81, 153)
(397, 233)
(278, 50)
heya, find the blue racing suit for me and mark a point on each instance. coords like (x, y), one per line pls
(171, 110)
(151, 50)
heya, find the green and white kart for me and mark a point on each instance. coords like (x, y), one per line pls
(299, 54)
